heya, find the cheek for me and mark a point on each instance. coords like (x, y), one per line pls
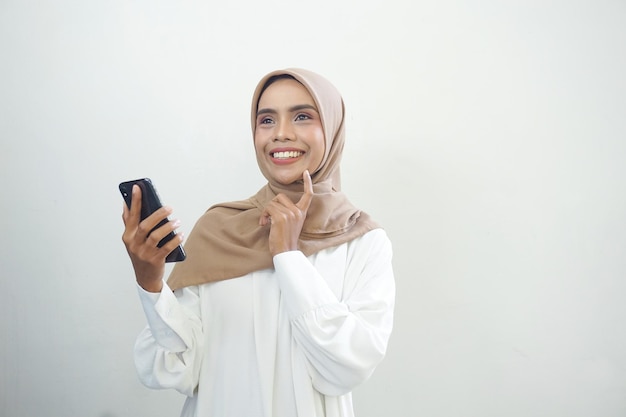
(320, 146)
(321, 140)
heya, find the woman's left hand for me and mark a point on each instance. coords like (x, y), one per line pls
(286, 218)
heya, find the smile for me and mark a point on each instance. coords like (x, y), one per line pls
(287, 155)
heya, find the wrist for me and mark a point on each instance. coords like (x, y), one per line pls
(153, 286)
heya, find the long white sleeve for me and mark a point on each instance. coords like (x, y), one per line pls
(168, 351)
(343, 330)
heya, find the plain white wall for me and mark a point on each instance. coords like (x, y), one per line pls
(488, 137)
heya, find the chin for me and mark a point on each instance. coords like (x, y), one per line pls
(286, 181)
(286, 178)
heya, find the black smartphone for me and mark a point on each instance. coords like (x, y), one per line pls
(150, 202)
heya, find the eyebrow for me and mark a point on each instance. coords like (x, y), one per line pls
(291, 109)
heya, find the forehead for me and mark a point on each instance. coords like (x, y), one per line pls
(285, 92)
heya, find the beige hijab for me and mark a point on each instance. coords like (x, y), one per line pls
(227, 241)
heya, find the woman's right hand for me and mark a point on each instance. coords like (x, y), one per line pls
(148, 260)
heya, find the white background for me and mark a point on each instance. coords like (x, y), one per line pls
(488, 137)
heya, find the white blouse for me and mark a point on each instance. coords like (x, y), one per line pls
(290, 341)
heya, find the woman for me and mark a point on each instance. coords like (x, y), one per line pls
(285, 302)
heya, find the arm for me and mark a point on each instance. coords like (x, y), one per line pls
(343, 338)
(168, 351)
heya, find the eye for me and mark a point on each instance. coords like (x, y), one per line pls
(302, 116)
(265, 120)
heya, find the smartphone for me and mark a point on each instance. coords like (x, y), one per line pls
(150, 202)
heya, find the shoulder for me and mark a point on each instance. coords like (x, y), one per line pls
(374, 239)
(371, 247)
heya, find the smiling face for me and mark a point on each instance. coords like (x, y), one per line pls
(288, 136)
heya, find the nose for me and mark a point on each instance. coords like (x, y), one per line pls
(284, 132)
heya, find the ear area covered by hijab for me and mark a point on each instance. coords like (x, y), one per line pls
(227, 241)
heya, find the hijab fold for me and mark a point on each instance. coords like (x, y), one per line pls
(227, 241)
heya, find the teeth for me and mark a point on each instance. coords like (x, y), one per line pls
(286, 155)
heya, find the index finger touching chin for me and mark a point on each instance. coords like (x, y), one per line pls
(308, 182)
